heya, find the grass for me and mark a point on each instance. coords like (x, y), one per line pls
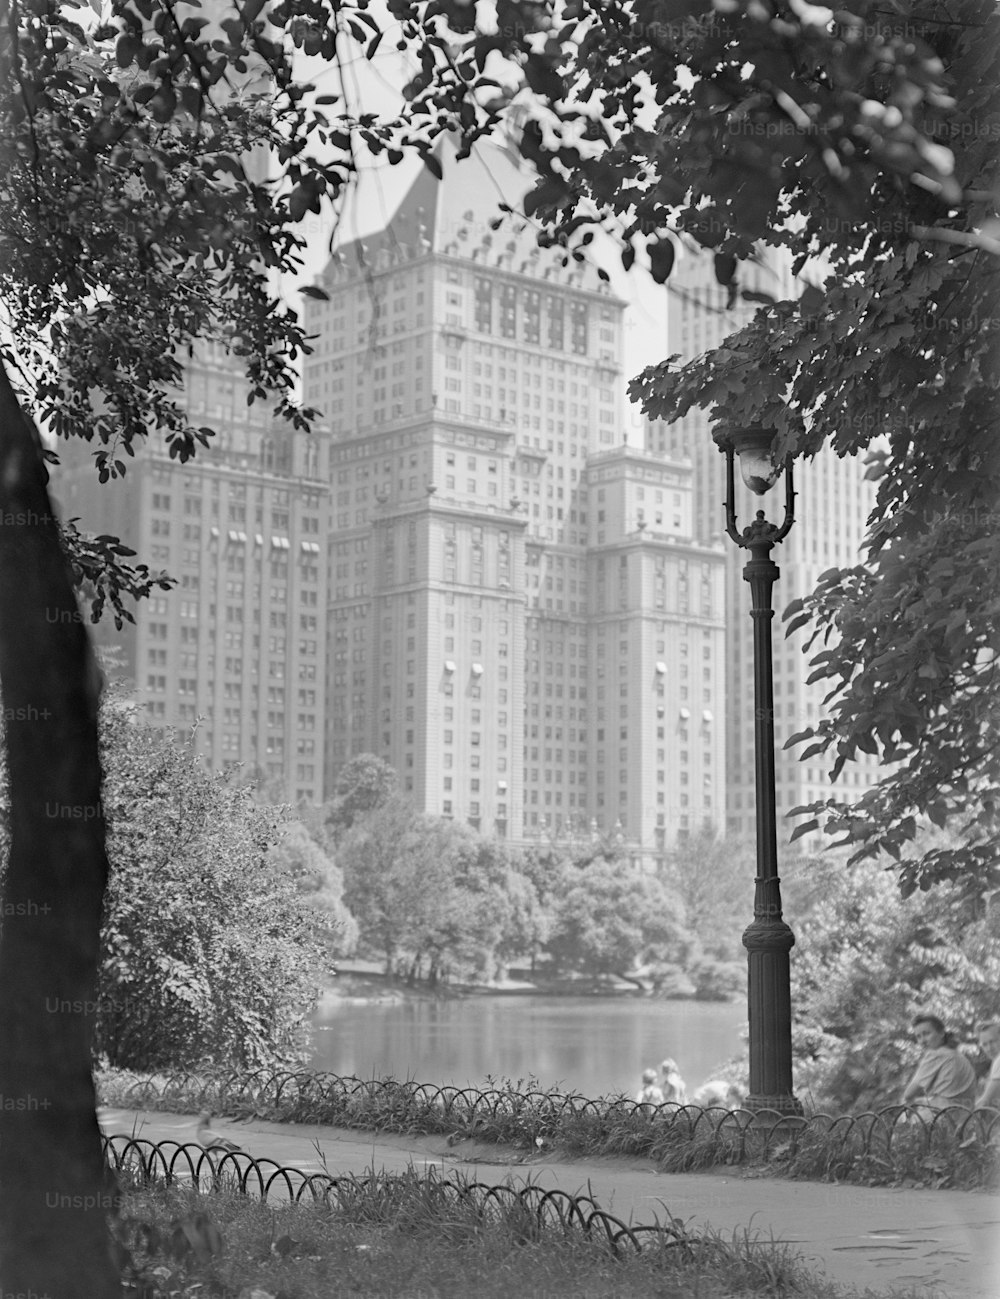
(873, 1150)
(418, 1236)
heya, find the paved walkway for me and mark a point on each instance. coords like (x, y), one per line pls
(944, 1243)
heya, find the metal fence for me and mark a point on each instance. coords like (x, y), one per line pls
(168, 1163)
(502, 1113)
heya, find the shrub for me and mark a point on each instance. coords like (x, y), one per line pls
(210, 953)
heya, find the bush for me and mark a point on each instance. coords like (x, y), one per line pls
(866, 960)
(718, 980)
(210, 955)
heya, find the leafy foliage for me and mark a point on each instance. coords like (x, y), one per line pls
(918, 688)
(363, 783)
(389, 877)
(713, 880)
(297, 856)
(432, 895)
(865, 962)
(612, 917)
(137, 217)
(860, 145)
(547, 871)
(119, 174)
(426, 890)
(210, 951)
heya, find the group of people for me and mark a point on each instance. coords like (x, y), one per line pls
(945, 1076)
(668, 1085)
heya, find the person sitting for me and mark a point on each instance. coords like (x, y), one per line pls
(989, 1041)
(719, 1095)
(943, 1076)
(671, 1082)
(649, 1092)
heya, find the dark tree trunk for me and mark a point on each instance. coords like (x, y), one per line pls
(54, 1197)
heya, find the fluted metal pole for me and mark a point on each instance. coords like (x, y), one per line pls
(768, 939)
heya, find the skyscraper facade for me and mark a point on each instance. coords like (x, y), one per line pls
(238, 646)
(521, 619)
(235, 653)
(833, 501)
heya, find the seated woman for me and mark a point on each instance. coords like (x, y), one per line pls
(989, 1042)
(943, 1077)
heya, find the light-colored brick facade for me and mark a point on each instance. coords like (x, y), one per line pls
(833, 501)
(521, 621)
(239, 643)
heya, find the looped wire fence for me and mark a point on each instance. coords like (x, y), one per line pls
(530, 1208)
(683, 1135)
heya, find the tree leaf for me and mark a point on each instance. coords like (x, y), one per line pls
(805, 828)
(661, 259)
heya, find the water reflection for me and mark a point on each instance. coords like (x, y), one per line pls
(592, 1045)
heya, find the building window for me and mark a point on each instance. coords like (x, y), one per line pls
(508, 299)
(556, 327)
(578, 327)
(484, 305)
(532, 316)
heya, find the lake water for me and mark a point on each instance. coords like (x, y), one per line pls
(592, 1045)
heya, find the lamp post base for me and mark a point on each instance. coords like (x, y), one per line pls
(768, 942)
(780, 1107)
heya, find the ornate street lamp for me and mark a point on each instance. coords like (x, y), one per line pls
(768, 939)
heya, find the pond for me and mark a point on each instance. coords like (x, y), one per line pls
(592, 1045)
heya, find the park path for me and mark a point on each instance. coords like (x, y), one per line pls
(944, 1243)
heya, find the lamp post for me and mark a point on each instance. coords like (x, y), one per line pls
(768, 939)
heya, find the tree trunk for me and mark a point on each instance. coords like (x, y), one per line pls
(54, 1196)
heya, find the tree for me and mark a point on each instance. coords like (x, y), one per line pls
(486, 915)
(425, 889)
(862, 145)
(613, 918)
(547, 871)
(393, 880)
(363, 783)
(714, 881)
(514, 903)
(317, 877)
(53, 892)
(210, 954)
(713, 878)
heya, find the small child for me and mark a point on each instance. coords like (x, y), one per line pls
(649, 1093)
(672, 1084)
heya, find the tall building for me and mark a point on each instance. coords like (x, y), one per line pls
(521, 620)
(833, 501)
(239, 644)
